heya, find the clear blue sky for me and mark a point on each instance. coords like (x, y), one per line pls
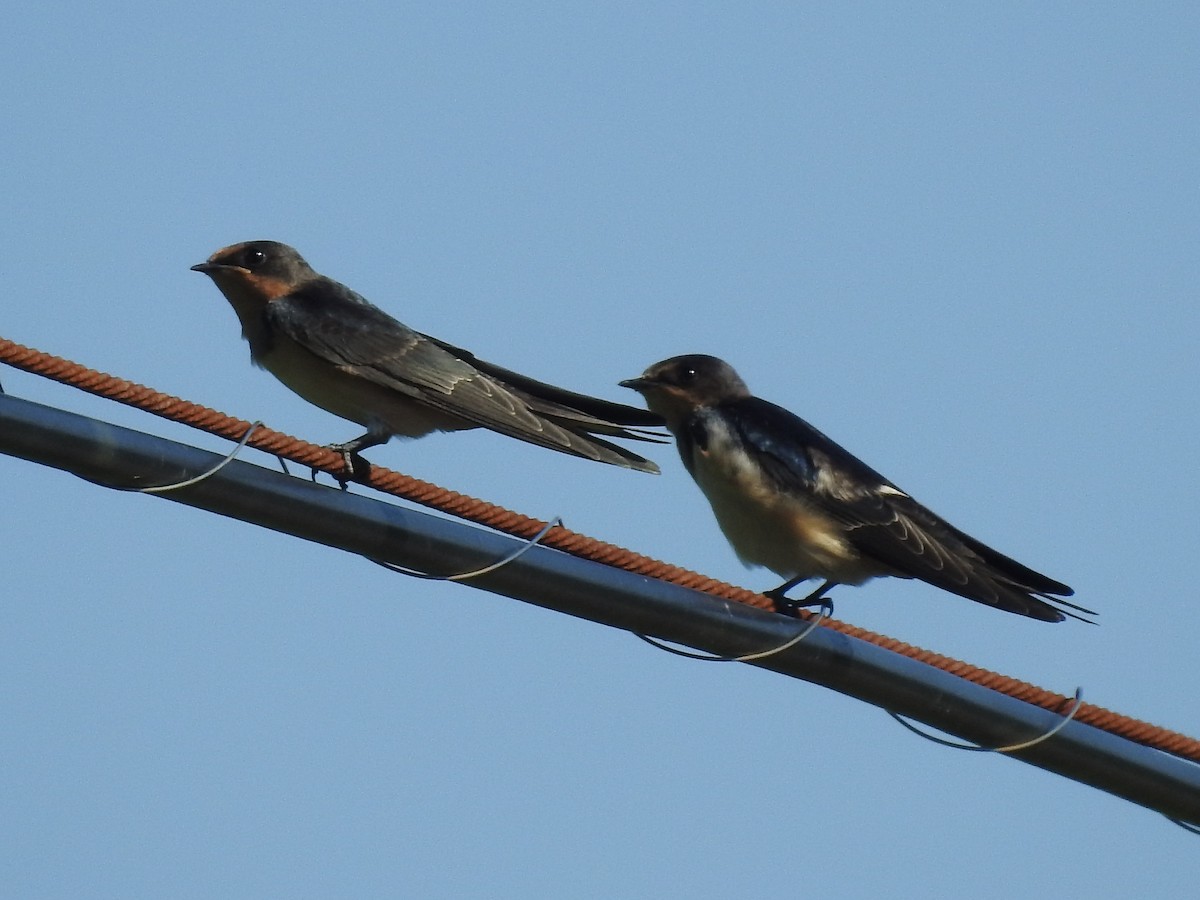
(960, 239)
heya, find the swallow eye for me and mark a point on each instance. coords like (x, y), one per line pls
(687, 375)
(255, 258)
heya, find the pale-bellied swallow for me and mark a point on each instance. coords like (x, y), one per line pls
(790, 499)
(340, 352)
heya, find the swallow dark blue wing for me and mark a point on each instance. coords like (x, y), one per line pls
(902, 534)
(794, 455)
(341, 327)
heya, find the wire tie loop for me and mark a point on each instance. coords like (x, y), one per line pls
(491, 567)
(825, 612)
(1011, 748)
(163, 488)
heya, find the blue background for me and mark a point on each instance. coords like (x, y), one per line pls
(960, 239)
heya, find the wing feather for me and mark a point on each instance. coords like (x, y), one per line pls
(362, 339)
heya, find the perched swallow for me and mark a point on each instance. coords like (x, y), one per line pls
(790, 499)
(347, 356)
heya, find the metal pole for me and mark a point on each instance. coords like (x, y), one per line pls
(109, 454)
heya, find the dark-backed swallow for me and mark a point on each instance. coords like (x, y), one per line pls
(790, 499)
(347, 356)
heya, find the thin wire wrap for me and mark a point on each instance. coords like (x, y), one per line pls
(1008, 748)
(811, 622)
(474, 573)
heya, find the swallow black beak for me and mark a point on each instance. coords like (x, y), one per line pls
(208, 268)
(638, 384)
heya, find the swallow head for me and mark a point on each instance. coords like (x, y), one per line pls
(675, 387)
(255, 272)
(251, 275)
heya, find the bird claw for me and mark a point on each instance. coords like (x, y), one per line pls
(789, 606)
(356, 468)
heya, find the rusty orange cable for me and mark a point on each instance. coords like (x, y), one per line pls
(483, 513)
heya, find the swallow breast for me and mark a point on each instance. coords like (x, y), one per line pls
(781, 530)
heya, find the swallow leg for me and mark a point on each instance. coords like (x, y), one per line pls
(357, 468)
(788, 606)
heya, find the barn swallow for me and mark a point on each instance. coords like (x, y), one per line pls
(790, 499)
(340, 352)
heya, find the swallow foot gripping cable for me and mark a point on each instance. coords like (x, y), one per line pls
(356, 469)
(1011, 748)
(490, 567)
(825, 612)
(188, 482)
(788, 606)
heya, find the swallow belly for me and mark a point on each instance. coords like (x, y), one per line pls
(781, 531)
(350, 396)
